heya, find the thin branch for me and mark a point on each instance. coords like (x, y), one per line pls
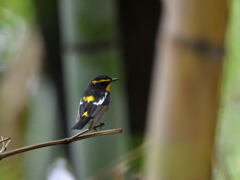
(68, 140)
(4, 145)
(4, 139)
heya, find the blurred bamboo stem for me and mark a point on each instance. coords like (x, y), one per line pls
(185, 92)
(76, 137)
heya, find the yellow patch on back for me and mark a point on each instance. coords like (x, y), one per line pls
(102, 80)
(88, 98)
(85, 114)
(108, 87)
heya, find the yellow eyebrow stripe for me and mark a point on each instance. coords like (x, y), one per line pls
(102, 80)
(85, 114)
(88, 98)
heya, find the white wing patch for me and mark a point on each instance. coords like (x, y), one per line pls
(78, 115)
(81, 102)
(101, 100)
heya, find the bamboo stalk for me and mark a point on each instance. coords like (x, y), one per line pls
(184, 102)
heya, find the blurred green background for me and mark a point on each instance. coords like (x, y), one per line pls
(228, 159)
(49, 50)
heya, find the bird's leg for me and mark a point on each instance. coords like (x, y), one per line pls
(98, 125)
(91, 125)
(101, 124)
(95, 127)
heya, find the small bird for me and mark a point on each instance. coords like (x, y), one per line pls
(95, 101)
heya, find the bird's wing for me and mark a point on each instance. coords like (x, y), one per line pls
(102, 107)
(91, 110)
(85, 114)
(99, 113)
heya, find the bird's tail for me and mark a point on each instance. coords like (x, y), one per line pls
(81, 123)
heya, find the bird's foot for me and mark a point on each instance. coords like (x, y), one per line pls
(99, 125)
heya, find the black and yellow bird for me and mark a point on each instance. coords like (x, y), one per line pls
(95, 101)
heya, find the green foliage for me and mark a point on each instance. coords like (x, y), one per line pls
(21, 8)
(7, 172)
(96, 20)
(15, 17)
(228, 158)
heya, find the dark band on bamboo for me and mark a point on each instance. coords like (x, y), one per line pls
(202, 47)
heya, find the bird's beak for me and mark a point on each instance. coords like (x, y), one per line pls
(114, 79)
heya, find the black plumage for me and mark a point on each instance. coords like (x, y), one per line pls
(94, 102)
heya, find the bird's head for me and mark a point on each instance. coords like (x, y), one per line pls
(102, 82)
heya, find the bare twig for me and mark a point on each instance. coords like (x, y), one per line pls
(4, 145)
(4, 139)
(68, 140)
(86, 130)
